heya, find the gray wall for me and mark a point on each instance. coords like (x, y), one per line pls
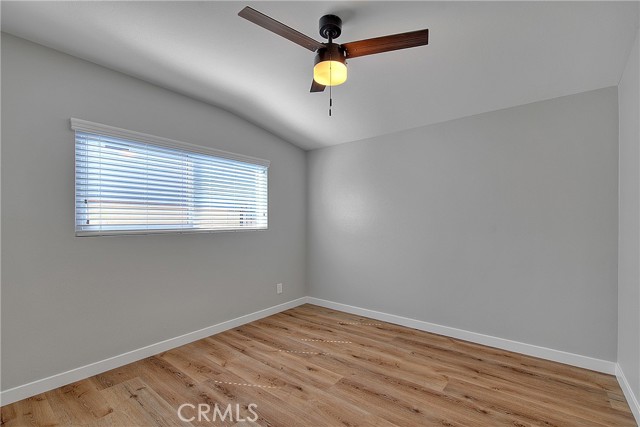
(629, 239)
(503, 223)
(69, 301)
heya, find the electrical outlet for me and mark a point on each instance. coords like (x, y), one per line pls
(279, 288)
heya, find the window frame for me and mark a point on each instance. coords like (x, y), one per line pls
(79, 125)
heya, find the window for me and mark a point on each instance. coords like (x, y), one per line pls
(128, 182)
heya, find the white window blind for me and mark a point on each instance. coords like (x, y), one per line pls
(128, 182)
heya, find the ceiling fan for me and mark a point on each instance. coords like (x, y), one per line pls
(330, 68)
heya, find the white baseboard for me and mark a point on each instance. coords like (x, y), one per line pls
(519, 347)
(40, 386)
(58, 380)
(632, 400)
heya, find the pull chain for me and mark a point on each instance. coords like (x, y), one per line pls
(330, 98)
(330, 75)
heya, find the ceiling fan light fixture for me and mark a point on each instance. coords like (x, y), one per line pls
(330, 73)
(330, 67)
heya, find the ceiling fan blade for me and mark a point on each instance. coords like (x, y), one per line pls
(316, 87)
(386, 43)
(279, 28)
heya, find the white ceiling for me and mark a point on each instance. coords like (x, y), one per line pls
(482, 56)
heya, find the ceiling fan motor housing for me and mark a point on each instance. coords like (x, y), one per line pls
(330, 27)
(333, 52)
(330, 65)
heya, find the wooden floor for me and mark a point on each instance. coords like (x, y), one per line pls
(312, 366)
